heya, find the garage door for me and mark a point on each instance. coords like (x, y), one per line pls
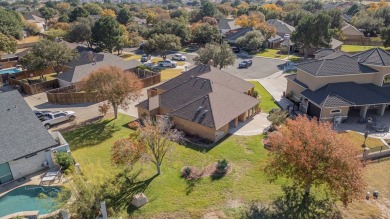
(314, 110)
(5, 173)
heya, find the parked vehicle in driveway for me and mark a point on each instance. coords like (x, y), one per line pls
(144, 58)
(51, 118)
(235, 49)
(167, 63)
(40, 114)
(179, 57)
(245, 63)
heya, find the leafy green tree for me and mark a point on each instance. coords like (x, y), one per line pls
(64, 159)
(63, 18)
(80, 32)
(293, 17)
(220, 55)
(383, 13)
(7, 44)
(206, 33)
(313, 31)
(10, 23)
(124, 16)
(32, 29)
(47, 53)
(337, 19)
(385, 36)
(174, 27)
(363, 20)
(48, 13)
(206, 9)
(73, 3)
(312, 6)
(162, 43)
(78, 12)
(106, 33)
(93, 8)
(180, 13)
(252, 41)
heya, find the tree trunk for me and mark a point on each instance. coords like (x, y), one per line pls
(115, 107)
(158, 169)
(305, 52)
(307, 188)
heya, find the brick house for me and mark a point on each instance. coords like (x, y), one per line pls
(202, 101)
(338, 85)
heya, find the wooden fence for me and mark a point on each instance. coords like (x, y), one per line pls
(147, 77)
(32, 73)
(35, 88)
(8, 64)
(363, 42)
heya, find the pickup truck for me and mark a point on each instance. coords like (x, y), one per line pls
(167, 63)
(51, 118)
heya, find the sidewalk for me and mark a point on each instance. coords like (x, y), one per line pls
(276, 84)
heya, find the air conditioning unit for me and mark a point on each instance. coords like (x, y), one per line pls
(45, 164)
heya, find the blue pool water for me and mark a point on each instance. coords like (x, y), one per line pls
(31, 198)
(10, 71)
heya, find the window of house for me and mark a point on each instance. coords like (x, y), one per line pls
(335, 111)
(386, 80)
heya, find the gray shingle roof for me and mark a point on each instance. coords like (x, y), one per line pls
(375, 56)
(84, 65)
(232, 37)
(340, 65)
(21, 132)
(350, 30)
(33, 18)
(281, 27)
(347, 94)
(323, 52)
(293, 77)
(223, 24)
(205, 88)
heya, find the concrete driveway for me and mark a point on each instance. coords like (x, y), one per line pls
(254, 126)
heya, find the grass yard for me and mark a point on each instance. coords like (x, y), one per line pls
(129, 56)
(170, 73)
(274, 53)
(358, 48)
(30, 39)
(266, 102)
(359, 139)
(169, 193)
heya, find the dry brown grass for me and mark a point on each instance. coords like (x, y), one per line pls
(168, 73)
(359, 139)
(31, 39)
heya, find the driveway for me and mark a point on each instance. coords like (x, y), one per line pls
(261, 68)
(254, 126)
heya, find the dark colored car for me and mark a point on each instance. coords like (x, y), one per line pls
(245, 64)
(235, 49)
(144, 58)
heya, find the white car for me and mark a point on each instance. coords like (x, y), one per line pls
(51, 118)
(167, 63)
(179, 57)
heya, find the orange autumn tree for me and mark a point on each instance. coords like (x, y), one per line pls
(311, 153)
(271, 7)
(108, 12)
(111, 83)
(253, 20)
(127, 151)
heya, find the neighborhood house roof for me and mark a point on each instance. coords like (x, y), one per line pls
(33, 18)
(204, 95)
(90, 61)
(280, 26)
(340, 65)
(21, 132)
(232, 37)
(350, 30)
(323, 52)
(348, 94)
(376, 56)
(335, 43)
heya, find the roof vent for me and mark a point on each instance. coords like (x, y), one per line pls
(205, 112)
(199, 109)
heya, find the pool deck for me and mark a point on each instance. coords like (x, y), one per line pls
(32, 179)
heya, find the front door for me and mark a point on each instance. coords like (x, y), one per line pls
(5, 173)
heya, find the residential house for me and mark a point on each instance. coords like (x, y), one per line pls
(282, 31)
(334, 44)
(227, 25)
(203, 101)
(25, 144)
(232, 36)
(40, 22)
(89, 61)
(338, 86)
(351, 33)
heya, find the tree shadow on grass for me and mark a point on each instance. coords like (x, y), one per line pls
(191, 183)
(217, 176)
(294, 204)
(91, 134)
(127, 186)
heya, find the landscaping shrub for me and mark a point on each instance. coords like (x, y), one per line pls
(222, 166)
(103, 109)
(64, 159)
(186, 172)
(255, 94)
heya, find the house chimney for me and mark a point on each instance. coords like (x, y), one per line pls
(90, 56)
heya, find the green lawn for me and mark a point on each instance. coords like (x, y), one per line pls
(274, 53)
(128, 56)
(358, 48)
(266, 102)
(170, 73)
(169, 193)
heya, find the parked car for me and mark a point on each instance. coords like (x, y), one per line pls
(235, 49)
(52, 118)
(167, 63)
(144, 58)
(245, 63)
(40, 114)
(179, 57)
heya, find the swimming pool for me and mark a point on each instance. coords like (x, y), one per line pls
(10, 71)
(32, 198)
